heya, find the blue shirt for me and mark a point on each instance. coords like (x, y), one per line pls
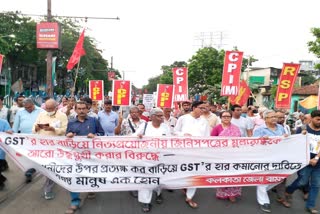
(4, 125)
(263, 130)
(89, 125)
(108, 122)
(24, 120)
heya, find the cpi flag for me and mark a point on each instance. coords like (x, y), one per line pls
(287, 79)
(121, 93)
(165, 96)
(243, 95)
(231, 73)
(180, 82)
(96, 90)
(78, 52)
(1, 61)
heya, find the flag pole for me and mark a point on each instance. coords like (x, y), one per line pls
(75, 78)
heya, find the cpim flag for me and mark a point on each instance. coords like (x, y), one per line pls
(242, 97)
(230, 83)
(1, 61)
(77, 52)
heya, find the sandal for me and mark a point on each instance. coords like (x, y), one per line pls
(284, 202)
(232, 199)
(184, 191)
(72, 209)
(312, 210)
(91, 195)
(191, 203)
(146, 207)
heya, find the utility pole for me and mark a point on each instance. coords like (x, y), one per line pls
(49, 88)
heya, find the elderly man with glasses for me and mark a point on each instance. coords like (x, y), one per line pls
(269, 129)
(155, 127)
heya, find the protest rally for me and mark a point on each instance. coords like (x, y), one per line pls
(213, 132)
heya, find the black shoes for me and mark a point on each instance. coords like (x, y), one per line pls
(134, 194)
(3, 165)
(29, 174)
(159, 199)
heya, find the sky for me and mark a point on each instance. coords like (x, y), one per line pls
(153, 33)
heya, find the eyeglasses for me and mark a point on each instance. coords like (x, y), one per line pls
(226, 116)
(159, 115)
(202, 108)
(273, 117)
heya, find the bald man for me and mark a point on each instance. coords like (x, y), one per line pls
(54, 123)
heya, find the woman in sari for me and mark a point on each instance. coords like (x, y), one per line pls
(226, 129)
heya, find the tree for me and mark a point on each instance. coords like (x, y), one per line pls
(152, 84)
(314, 46)
(205, 69)
(167, 76)
(308, 79)
(21, 51)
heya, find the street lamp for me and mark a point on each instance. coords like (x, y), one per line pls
(11, 36)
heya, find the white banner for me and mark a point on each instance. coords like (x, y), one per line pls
(107, 163)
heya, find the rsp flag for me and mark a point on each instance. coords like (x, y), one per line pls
(231, 73)
(287, 79)
(180, 82)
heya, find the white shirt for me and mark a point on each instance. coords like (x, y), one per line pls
(171, 123)
(187, 124)
(163, 130)
(243, 124)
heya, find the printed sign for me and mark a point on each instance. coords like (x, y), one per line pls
(96, 90)
(121, 93)
(286, 82)
(48, 35)
(164, 95)
(180, 82)
(231, 73)
(109, 163)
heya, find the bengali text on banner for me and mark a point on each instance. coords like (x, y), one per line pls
(81, 164)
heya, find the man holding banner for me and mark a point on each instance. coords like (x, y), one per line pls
(312, 171)
(193, 125)
(269, 129)
(156, 127)
(82, 125)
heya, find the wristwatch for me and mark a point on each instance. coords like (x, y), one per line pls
(316, 157)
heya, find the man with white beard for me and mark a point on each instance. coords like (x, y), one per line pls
(155, 127)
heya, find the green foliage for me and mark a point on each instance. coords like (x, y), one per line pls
(167, 76)
(314, 46)
(205, 70)
(21, 51)
(152, 85)
(308, 79)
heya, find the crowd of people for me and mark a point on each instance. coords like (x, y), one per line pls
(89, 118)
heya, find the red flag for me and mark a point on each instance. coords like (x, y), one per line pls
(77, 52)
(1, 60)
(243, 95)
